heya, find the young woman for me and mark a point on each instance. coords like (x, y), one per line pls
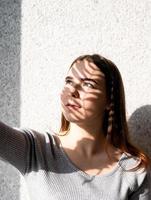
(91, 157)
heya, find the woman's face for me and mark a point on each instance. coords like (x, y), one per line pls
(83, 97)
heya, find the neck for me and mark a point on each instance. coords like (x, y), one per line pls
(87, 140)
(89, 131)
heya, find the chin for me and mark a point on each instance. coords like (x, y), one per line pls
(72, 119)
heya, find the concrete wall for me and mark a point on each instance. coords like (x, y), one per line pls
(40, 39)
(10, 46)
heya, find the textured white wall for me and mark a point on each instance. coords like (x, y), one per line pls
(53, 33)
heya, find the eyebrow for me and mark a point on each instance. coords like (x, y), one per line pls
(82, 79)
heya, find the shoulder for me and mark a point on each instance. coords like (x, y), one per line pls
(135, 177)
(39, 141)
(42, 149)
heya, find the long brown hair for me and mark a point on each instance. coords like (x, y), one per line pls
(115, 122)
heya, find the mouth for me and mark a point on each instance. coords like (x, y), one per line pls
(74, 106)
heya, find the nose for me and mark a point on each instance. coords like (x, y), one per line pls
(74, 92)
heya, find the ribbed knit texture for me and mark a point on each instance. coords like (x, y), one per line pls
(51, 175)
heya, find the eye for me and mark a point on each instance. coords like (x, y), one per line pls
(68, 82)
(87, 84)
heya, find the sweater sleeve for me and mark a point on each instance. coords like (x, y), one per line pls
(144, 191)
(14, 146)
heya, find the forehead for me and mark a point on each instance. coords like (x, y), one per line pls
(85, 69)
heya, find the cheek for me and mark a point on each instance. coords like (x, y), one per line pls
(94, 103)
(64, 95)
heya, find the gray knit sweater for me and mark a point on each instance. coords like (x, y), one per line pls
(50, 174)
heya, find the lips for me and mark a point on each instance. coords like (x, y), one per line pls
(73, 105)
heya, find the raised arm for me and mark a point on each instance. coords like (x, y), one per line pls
(13, 146)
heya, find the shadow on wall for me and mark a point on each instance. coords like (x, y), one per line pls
(140, 128)
(10, 25)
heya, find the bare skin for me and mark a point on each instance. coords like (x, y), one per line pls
(83, 103)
